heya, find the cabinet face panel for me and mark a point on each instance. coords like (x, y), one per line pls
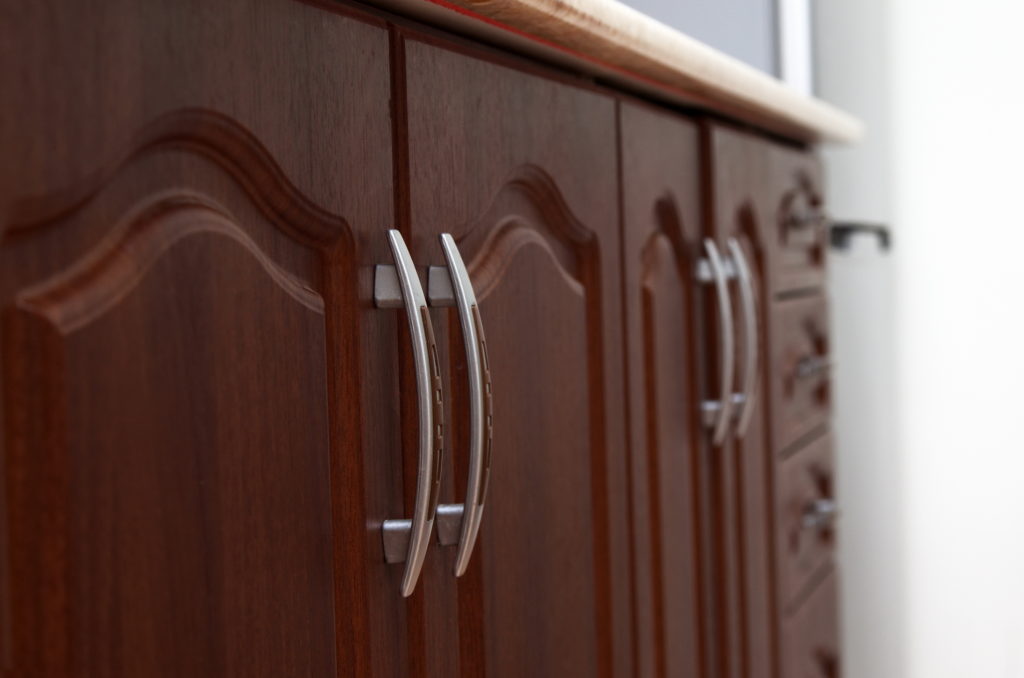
(806, 526)
(662, 243)
(184, 416)
(168, 436)
(801, 379)
(738, 175)
(799, 223)
(522, 171)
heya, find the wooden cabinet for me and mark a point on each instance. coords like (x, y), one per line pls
(179, 263)
(208, 415)
(670, 455)
(524, 177)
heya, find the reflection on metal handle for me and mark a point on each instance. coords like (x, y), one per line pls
(812, 366)
(750, 337)
(722, 410)
(820, 514)
(415, 532)
(480, 422)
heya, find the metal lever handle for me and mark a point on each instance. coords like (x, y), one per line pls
(842, 232)
(480, 404)
(407, 540)
(820, 513)
(718, 414)
(750, 336)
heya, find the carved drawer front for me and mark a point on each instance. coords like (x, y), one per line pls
(800, 223)
(810, 638)
(801, 366)
(806, 510)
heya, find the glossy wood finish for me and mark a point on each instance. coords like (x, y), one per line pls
(803, 550)
(522, 171)
(662, 241)
(801, 398)
(205, 419)
(737, 171)
(189, 212)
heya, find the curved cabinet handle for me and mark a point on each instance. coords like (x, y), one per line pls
(721, 411)
(750, 336)
(480, 409)
(407, 540)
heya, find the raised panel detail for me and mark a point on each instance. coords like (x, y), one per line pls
(671, 487)
(537, 288)
(167, 442)
(199, 404)
(675, 615)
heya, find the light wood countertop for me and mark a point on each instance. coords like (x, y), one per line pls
(609, 40)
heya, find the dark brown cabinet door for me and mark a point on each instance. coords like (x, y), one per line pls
(521, 170)
(739, 177)
(189, 212)
(662, 243)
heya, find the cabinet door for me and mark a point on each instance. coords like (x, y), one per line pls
(662, 242)
(521, 170)
(738, 176)
(190, 203)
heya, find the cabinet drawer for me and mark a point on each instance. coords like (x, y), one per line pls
(810, 638)
(801, 380)
(799, 221)
(805, 507)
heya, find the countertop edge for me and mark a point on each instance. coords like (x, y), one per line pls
(607, 39)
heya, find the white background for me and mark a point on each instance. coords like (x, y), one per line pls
(930, 343)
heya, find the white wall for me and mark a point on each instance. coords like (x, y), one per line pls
(941, 82)
(852, 65)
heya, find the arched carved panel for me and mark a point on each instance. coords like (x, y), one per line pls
(671, 487)
(191, 203)
(167, 439)
(535, 269)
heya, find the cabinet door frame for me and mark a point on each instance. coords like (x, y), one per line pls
(662, 230)
(546, 189)
(738, 176)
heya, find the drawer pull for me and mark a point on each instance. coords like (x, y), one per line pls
(406, 540)
(466, 516)
(812, 366)
(820, 514)
(807, 220)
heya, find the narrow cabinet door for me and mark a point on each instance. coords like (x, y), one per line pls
(663, 244)
(738, 171)
(196, 202)
(521, 170)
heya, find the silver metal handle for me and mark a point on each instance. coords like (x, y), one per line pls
(407, 540)
(462, 295)
(718, 414)
(819, 514)
(812, 366)
(750, 337)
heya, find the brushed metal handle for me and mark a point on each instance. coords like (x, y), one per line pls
(750, 336)
(812, 366)
(811, 220)
(407, 539)
(819, 514)
(718, 414)
(470, 513)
